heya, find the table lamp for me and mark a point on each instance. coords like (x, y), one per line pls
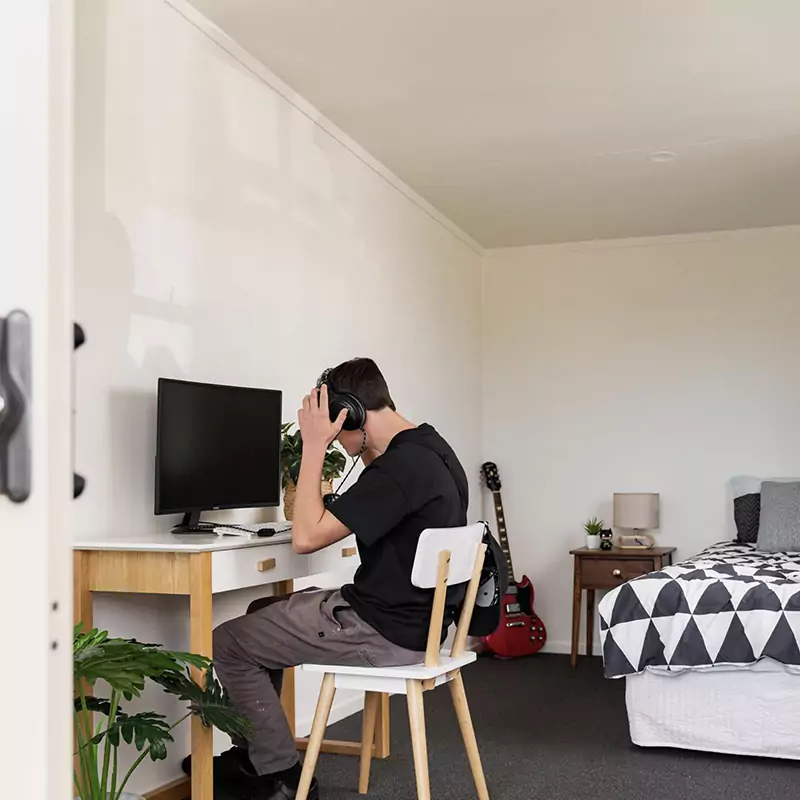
(636, 511)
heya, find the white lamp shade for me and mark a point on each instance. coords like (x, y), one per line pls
(637, 511)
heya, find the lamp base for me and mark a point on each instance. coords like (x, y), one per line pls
(635, 541)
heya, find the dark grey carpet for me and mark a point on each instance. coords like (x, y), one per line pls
(548, 732)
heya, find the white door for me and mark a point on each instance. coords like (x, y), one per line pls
(35, 277)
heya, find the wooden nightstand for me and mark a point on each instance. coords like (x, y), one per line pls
(607, 569)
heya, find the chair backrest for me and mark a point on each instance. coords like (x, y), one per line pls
(448, 556)
(462, 544)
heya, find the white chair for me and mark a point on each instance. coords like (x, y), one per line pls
(444, 556)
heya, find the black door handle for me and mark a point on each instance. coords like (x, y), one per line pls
(15, 407)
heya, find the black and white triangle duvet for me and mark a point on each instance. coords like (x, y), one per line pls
(730, 605)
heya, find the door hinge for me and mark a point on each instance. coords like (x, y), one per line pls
(15, 406)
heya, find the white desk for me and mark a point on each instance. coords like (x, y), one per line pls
(200, 566)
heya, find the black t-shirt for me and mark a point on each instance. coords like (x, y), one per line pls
(417, 483)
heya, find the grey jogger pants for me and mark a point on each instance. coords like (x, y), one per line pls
(310, 627)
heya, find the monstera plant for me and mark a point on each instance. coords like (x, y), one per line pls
(103, 726)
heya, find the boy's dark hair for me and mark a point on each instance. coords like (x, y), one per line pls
(361, 377)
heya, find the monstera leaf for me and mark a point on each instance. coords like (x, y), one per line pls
(211, 703)
(144, 730)
(126, 664)
(93, 704)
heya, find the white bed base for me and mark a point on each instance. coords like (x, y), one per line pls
(753, 711)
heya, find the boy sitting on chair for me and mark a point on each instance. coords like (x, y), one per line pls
(412, 481)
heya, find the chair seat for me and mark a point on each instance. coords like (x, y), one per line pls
(392, 679)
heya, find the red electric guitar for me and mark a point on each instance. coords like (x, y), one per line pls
(521, 632)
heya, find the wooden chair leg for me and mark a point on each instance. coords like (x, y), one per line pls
(371, 702)
(468, 732)
(419, 742)
(382, 731)
(317, 732)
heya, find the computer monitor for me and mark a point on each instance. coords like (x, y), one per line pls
(216, 447)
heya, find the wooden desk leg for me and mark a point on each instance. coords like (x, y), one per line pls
(589, 621)
(83, 614)
(200, 642)
(83, 611)
(576, 613)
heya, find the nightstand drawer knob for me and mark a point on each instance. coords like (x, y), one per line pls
(617, 573)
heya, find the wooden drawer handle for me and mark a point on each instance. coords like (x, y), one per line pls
(266, 565)
(348, 552)
(617, 573)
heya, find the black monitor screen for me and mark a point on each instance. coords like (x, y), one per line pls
(217, 447)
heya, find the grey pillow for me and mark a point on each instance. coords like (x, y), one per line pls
(779, 526)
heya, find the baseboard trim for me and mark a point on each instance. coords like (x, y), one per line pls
(559, 647)
(180, 789)
(565, 648)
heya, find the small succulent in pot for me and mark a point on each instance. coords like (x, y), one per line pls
(593, 527)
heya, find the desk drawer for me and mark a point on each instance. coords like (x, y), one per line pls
(339, 556)
(256, 566)
(606, 573)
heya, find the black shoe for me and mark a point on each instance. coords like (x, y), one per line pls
(277, 789)
(231, 766)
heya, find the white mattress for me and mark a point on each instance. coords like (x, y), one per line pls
(742, 711)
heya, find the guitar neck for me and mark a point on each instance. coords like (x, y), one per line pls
(502, 533)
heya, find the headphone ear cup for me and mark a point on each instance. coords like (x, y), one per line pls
(356, 413)
(339, 402)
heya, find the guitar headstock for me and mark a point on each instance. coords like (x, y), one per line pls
(491, 476)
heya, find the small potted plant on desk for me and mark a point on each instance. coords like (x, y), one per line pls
(125, 665)
(593, 527)
(291, 455)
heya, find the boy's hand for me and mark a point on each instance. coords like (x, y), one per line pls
(314, 420)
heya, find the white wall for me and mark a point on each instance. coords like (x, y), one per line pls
(663, 365)
(225, 236)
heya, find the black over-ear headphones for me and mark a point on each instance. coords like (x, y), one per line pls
(356, 412)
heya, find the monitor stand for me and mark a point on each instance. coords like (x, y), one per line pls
(191, 520)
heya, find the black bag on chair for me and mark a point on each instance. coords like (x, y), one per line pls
(492, 587)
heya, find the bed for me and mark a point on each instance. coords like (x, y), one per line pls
(710, 650)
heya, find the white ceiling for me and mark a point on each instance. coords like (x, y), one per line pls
(531, 121)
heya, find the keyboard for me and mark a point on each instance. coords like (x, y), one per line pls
(261, 529)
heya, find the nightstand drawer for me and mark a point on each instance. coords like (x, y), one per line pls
(605, 573)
